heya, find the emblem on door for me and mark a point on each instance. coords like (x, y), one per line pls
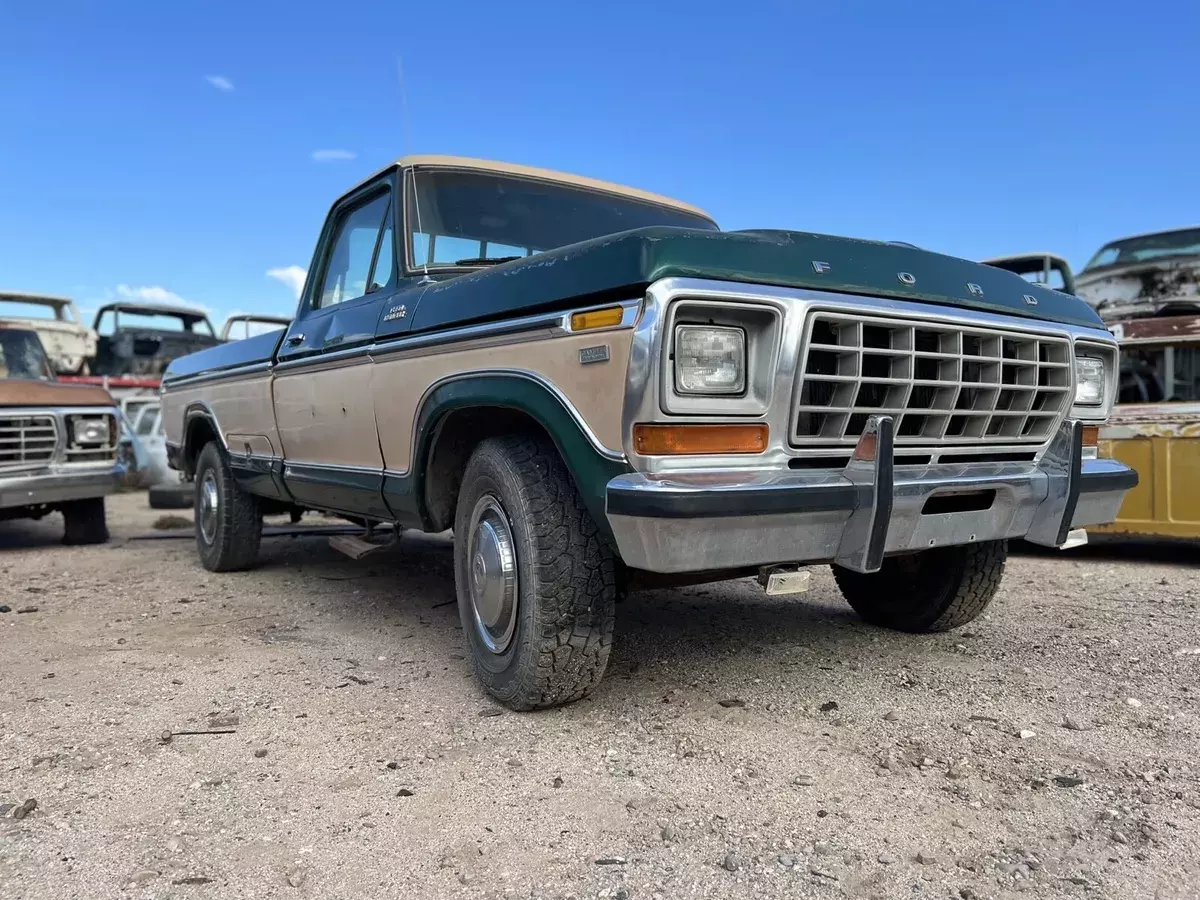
(396, 312)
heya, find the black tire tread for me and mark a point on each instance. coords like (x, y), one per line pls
(956, 587)
(84, 522)
(575, 579)
(239, 530)
(161, 496)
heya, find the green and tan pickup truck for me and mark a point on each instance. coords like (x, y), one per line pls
(588, 382)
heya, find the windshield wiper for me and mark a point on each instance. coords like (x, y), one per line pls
(485, 260)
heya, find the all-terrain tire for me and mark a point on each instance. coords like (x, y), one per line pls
(934, 590)
(84, 522)
(565, 575)
(171, 496)
(228, 539)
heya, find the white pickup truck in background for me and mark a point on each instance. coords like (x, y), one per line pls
(69, 343)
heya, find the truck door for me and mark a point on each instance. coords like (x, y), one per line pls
(322, 388)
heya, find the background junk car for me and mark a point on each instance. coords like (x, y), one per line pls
(57, 442)
(142, 338)
(589, 383)
(69, 343)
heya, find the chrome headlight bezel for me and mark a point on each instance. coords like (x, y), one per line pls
(91, 431)
(1090, 410)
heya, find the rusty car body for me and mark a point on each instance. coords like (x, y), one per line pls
(68, 342)
(1144, 275)
(57, 442)
(1155, 426)
(588, 383)
(141, 339)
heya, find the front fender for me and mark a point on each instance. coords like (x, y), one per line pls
(590, 466)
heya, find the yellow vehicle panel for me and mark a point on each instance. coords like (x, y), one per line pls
(1162, 442)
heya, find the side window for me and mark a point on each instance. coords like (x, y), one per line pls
(107, 323)
(349, 267)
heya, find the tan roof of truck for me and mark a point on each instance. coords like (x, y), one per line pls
(487, 165)
(26, 297)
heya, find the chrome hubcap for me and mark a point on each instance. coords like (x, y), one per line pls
(209, 506)
(492, 574)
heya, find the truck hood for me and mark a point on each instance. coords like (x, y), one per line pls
(624, 264)
(1143, 288)
(22, 392)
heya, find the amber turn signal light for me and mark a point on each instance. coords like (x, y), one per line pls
(673, 440)
(1091, 435)
(597, 318)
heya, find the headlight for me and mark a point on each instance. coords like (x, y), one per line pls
(1089, 381)
(710, 360)
(90, 431)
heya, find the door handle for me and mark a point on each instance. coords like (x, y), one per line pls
(296, 339)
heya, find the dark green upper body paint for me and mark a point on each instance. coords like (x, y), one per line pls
(622, 265)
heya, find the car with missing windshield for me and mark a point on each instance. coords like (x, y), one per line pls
(1148, 274)
(69, 344)
(57, 442)
(1047, 269)
(595, 387)
(141, 339)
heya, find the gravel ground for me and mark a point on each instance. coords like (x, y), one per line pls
(740, 746)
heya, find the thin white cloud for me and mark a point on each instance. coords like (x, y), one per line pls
(292, 276)
(332, 155)
(220, 82)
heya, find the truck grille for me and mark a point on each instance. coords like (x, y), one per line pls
(942, 384)
(27, 441)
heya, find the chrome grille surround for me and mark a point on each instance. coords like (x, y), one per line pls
(27, 440)
(945, 383)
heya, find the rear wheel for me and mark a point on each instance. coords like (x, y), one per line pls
(536, 581)
(228, 519)
(934, 590)
(84, 522)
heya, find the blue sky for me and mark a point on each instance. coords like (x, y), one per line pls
(186, 149)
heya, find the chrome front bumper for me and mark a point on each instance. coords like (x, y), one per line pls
(56, 485)
(857, 515)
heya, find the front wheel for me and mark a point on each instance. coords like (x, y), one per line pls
(228, 519)
(536, 581)
(85, 522)
(934, 590)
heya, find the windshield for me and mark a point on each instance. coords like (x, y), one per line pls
(471, 218)
(22, 356)
(110, 320)
(1148, 247)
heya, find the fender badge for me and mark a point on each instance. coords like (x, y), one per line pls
(396, 312)
(593, 354)
(1029, 299)
(974, 289)
(907, 278)
(820, 267)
